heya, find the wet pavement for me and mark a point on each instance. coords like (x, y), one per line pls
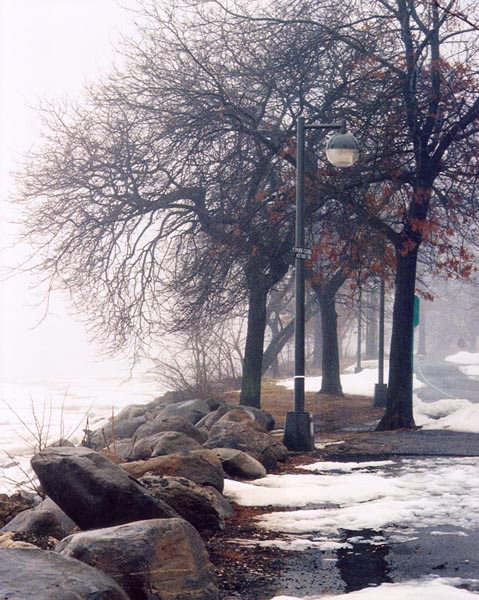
(370, 563)
(444, 380)
(376, 445)
(397, 553)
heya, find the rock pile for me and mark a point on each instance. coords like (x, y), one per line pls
(129, 513)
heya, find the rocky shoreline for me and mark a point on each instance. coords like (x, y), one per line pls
(140, 511)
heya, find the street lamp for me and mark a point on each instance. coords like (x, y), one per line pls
(342, 151)
(381, 388)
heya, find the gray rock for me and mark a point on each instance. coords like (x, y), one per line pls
(118, 429)
(237, 415)
(170, 424)
(165, 442)
(260, 416)
(202, 506)
(119, 450)
(193, 410)
(44, 575)
(246, 437)
(41, 521)
(170, 442)
(239, 464)
(132, 411)
(158, 559)
(201, 466)
(93, 491)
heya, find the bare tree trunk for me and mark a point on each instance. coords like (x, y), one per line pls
(399, 407)
(325, 296)
(318, 345)
(331, 380)
(253, 354)
(273, 323)
(371, 350)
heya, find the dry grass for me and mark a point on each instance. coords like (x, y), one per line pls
(331, 413)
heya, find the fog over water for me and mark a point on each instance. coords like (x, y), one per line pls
(50, 49)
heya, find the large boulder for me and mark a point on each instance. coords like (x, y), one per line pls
(118, 451)
(177, 423)
(258, 415)
(202, 506)
(117, 430)
(165, 442)
(46, 519)
(248, 437)
(92, 490)
(44, 575)
(157, 559)
(193, 410)
(238, 464)
(37, 522)
(132, 411)
(201, 466)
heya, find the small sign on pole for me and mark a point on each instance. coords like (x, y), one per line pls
(415, 318)
(304, 253)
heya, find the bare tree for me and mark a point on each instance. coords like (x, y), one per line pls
(163, 199)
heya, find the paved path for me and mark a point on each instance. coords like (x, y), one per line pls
(374, 444)
(444, 380)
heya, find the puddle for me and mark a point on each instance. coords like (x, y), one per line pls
(366, 558)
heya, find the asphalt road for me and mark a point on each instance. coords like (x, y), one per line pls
(444, 380)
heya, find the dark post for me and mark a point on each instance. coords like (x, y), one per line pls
(343, 152)
(381, 389)
(358, 367)
(298, 434)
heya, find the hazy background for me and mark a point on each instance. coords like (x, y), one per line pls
(48, 49)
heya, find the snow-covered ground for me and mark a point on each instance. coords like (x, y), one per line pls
(468, 363)
(397, 498)
(436, 588)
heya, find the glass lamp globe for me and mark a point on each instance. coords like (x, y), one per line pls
(342, 150)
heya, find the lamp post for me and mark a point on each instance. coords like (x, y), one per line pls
(358, 368)
(381, 389)
(342, 150)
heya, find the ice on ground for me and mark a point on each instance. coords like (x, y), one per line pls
(471, 371)
(344, 466)
(428, 589)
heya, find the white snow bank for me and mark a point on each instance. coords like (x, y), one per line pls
(455, 415)
(468, 361)
(464, 358)
(429, 589)
(412, 494)
(361, 383)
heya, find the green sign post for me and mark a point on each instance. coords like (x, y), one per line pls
(415, 319)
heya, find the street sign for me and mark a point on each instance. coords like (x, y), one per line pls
(304, 253)
(415, 318)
